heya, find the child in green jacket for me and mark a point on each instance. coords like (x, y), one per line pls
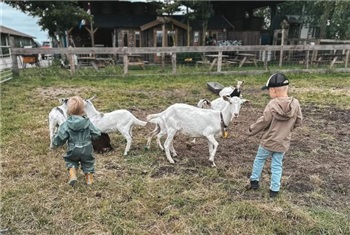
(78, 131)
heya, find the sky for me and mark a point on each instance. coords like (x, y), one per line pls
(19, 21)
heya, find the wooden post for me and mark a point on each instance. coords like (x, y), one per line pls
(92, 33)
(265, 59)
(347, 58)
(71, 62)
(126, 64)
(114, 43)
(282, 43)
(307, 59)
(163, 44)
(14, 57)
(173, 62)
(219, 61)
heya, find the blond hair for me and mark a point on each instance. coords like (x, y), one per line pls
(75, 106)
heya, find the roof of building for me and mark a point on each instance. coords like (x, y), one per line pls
(122, 21)
(6, 30)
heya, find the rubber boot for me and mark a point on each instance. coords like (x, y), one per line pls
(72, 176)
(89, 178)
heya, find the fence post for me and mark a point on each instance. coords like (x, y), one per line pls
(307, 59)
(219, 61)
(173, 61)
(347, 58)
(71, 62)
(14, 57)
(126, 64)
(265, 59)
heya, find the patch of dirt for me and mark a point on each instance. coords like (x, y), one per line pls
(56, 92)
(337, 91)
(164, 170)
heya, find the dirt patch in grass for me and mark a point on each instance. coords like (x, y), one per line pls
(335, 91)
(57, 92)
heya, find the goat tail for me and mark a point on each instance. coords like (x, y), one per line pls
(155, 131)
(139, 122)
(152, 116)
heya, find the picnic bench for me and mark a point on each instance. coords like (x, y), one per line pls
(246, 58)
(328, 58)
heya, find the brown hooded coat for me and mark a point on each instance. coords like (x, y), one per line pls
(280, 117)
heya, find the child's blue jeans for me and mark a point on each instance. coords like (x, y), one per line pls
(276, 167)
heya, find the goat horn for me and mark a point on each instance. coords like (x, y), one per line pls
(92, 97)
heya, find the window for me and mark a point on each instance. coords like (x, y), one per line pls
(137, 39)
(125, 38)
(159, 38)
(171, 38)
(196, 38)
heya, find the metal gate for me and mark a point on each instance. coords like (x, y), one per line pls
(5, 64)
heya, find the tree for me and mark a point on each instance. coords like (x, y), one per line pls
(332, 18)
(168, 8)
(202, 10)
(189, 15)
(54, 16)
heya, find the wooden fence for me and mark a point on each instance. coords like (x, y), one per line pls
(334, 57)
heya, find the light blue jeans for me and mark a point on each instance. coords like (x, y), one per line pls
(276, 167)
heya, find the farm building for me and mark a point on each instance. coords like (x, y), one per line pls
(21, 39)
(137, 24)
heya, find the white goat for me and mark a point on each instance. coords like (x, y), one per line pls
(204, 104)
(57, 116)
(194, 122)
(217, 104)
(119, 120)
(232, 91)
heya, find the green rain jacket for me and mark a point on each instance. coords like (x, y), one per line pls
(78, 131)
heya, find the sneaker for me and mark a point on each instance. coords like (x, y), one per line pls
(273, 194)
(254, 184)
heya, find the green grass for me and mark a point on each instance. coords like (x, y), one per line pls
(143, 193)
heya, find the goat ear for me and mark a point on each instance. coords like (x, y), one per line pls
(245, 101)
(63, 100)
(226, 97)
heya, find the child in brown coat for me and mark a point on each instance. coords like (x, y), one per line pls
(280, 117)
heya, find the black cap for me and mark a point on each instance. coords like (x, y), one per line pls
(276, 80)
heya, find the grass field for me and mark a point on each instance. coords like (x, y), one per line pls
(144, 194)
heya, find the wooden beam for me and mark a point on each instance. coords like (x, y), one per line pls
(161, 20)
(149, 25)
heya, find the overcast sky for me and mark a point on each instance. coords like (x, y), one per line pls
(21, 22)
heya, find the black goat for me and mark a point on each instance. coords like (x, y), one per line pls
(102, 144)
